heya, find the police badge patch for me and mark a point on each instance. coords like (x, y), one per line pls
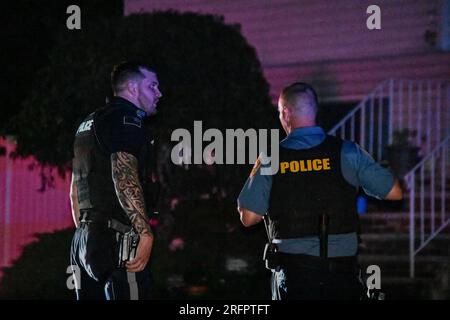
(135, 121)
(255, 167)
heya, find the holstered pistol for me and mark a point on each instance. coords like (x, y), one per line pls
(128, 243)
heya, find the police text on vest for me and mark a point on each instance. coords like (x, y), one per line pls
(85, 126)
(305, 165)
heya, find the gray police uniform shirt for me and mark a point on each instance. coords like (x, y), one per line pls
(358, 168)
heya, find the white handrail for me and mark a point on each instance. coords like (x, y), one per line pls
(427, 157)
(422, 179)
(356, 109)
(420, 106)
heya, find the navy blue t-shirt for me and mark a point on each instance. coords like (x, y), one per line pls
(120, 127)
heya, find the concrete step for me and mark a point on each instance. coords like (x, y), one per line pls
(397, 265)
(403, 205)
(395, 243)
(402, 215)
(398, 222)
(427, 191)
(427, 204)
(422, 288)
(405, 288)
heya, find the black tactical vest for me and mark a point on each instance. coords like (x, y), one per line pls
(92, 169)
(309, 183)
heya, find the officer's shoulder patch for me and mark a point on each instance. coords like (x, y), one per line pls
(132, 120)
(255, 167)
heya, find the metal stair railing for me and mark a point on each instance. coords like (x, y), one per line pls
(420, 106)
(396, 104)
(429, 176)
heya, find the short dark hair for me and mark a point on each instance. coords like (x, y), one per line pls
(301, 90)
(125, 71)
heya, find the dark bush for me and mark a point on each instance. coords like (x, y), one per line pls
(207, 72)
(40, 273)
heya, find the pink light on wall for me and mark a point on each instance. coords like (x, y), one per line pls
(25, 207)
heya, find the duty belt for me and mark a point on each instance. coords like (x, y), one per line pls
(97, 217)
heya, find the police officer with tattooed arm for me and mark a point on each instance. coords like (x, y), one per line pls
(113, 241)
(309, 204)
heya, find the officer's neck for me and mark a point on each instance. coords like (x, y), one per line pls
(300, 123)
(129, 98)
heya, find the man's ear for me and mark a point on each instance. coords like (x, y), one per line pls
(286, 114)
(133, 88)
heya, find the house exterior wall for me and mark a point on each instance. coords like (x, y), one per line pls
(328, 42)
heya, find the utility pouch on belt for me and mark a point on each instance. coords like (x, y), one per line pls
(128, 243)
(375, 294)
(271, 256)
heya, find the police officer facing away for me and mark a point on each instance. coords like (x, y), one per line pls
(317, 180)
(110, 172)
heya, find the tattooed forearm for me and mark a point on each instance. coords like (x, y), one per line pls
(129, 189)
